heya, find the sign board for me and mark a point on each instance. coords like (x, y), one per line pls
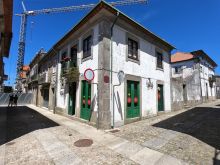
(89, 74)
(121, 76)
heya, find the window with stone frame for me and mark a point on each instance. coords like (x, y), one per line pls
(132, 49)
(178, 69)
(73, 55)
(87, 46)
(63, 63)
(159, 60)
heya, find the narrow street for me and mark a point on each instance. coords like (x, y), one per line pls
(31, 135)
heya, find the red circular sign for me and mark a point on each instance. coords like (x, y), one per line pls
(89, 74)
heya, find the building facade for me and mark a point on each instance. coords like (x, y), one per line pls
(192, 79)
(46, 80)
(24, 75)
(217, 79)
(107, 41)
(6, 12)
(32, 79)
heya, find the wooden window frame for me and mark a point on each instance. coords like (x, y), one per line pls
(134, 39)
(159, 66)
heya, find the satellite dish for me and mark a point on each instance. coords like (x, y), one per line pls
(121, 76)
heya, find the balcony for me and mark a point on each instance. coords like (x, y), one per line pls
(33, 78)
(43, 78)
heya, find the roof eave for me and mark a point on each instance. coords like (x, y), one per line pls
(93, 11)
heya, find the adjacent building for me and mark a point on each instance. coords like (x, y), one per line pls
(47, 80)
(32, 79)
(24, 75)
(6, 12)
(217, 79)
(193, 79)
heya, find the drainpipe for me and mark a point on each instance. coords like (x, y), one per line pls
(55, 89)
(111, 66)
(200, 79)
(113, 117)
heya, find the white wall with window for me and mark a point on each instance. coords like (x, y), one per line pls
(87, 57)
(138, 57)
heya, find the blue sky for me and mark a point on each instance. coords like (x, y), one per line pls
(187, 24)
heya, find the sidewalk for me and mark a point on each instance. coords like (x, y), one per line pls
(135, 152)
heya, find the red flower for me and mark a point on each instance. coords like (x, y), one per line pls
(66, 59)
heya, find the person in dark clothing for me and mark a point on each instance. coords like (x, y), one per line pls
(11, 100)
(15, 100)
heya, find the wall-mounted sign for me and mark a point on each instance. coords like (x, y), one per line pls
(106, 79)
(89, 74)
(121, 76)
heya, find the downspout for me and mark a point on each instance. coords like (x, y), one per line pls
(111, 66)
(55, 89)
(200, 78)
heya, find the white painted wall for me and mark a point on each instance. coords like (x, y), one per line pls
(188, 68)
(146, 69)
(62, 99)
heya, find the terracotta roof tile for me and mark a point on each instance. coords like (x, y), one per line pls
(180, 56)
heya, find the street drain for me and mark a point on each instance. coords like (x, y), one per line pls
(114, 131)
(83, 143)
(10, 143)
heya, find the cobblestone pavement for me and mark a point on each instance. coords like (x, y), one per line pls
(40, 137)
(191, 135)
(32, 138)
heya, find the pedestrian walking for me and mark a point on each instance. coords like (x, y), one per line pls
(11, 100)
(15, 100)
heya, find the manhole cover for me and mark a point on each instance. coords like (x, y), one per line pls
(83, 143)
(114, 131)
(10, 143)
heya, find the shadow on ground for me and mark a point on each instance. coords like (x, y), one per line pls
(216, 161)
(18, 121)
(202, 123)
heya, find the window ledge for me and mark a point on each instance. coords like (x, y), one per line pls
(132, 60)
(160, 69)
(86, 58)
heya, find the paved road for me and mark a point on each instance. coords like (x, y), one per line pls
(191, 135)
(36, 136)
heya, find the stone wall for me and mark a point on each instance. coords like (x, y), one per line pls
(192, 85)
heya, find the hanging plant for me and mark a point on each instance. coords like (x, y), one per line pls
(66, 59)
(72, 74)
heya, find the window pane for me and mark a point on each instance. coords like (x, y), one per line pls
(87, 44)
(132, 49)
(159, 60)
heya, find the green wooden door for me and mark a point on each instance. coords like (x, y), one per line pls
(72, 98)
(133, 99)
(160, 98)
(85, 99)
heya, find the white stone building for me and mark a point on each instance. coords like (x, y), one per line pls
(107, 41)
(193, 78)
